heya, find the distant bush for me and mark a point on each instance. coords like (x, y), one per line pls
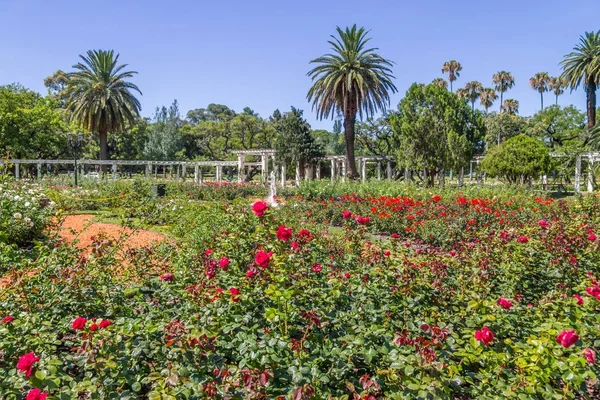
(518, 160)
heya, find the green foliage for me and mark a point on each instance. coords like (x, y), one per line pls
(435, 130)
(294, 142)
(517, 160)
(165, 140)
(30, 126)
(502, 126)
(560, 129)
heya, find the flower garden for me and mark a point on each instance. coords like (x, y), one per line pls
(340, 292)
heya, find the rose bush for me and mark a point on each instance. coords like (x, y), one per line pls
(302, 302)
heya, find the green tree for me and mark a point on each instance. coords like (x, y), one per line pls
(376, 137)
(560, 129)
(31, 126)
(473, 91)
(503, 80)
(441, 82)
(510, 106)
(294, 142)
(101, 99)
(501, 126)
(517, 160)
(354, 79)
(452, 68)
(57, 85)
(213, 112)
(487, 98)
(539, 82)
(583, 65)
(165, 140)
(435, 130)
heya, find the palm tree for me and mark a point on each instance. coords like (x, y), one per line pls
(473, 89)
(487, 98)
(540, 82)
(583, 65)
(557, 85)
(503, 80)
(352, 79)
(462, 93)
(441, 82)
(510, 106)
(100, 97)
(452, 68)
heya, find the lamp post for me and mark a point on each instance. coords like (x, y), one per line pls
(75, 143)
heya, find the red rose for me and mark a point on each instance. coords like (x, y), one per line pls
(208, 252)
(234, 293)
(346, 214)
(251, 272)
(168, 277)
(436, 198)
(522, 239)
(387, 253)
(223, 262)
(294, 245)
(8, 319)
(567, 338)
(26, 362)
(94, 327)
(395, 236)
(363, 220)
(579, 299)
(543, 224)
(452, 253)
(36, 394)
(317, 268)
(485, 335)
(259, 208)
(284, 233)
(590, 355)
(263, 258)
(502, 302)
(79, 323)
(593, 291)
(105, 323)
(592, 237)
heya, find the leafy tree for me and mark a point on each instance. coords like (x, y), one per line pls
(473, 91)
(435, 130)
(510, 106)
(376, 137)
(452, 68)
(583, 65)
(294, 142)
(502, 126)
(557, 85)
(560, 129)
(441, 82)
(31, 126)
(57, 84)
(213, 112)
(540, 82)
(165, 140)
(487, 98)
(517, 160)
(101, 99)
(353, 79)
(503, 80)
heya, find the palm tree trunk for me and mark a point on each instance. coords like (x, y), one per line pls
(556, 103)
(591, 104)
(542, 97)
(450, 85)
(349, 122)
(103, 136)
(501, 93)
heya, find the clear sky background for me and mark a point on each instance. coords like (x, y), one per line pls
(256, 53)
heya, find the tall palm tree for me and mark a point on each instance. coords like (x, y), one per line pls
(583, 65)
(503, 80)
(462, 93)
(557, 85)
(487, 98)
(540, 83)
(473, 89)
(100, 97)
(452, 68)
(441, 82)
(510, 106)
(353, 79)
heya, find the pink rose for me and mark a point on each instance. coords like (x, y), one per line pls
(485, 335)
(567, 338)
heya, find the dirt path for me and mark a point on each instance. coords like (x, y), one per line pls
(87, 232)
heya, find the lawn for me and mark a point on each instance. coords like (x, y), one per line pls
(350, 291)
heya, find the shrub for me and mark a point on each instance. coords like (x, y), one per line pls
(517, 160)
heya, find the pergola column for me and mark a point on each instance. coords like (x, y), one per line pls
(389, 170)
(177, 173)
(196, 174)
(184, 171)
(590, 180)
(148, 170)
(470, 170)
(378, 170)
(241, 167)
(297, 173)
(114, 171)
(17, 171)
(333, 164)
(578, 174)
(39, 170)
(344, 170)
(318, 172)
(283, 174)
(264, 167)
(363, 170)
(218, 173)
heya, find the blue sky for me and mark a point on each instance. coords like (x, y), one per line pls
(256, 53)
